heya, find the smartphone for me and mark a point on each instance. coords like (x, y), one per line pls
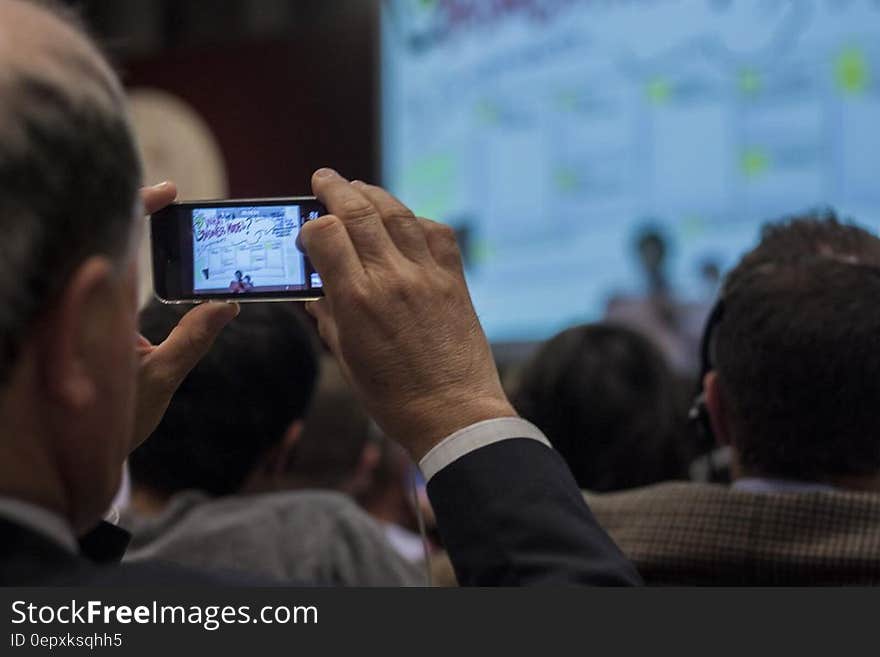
(243, 250)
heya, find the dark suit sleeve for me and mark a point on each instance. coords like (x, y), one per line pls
(511, 514)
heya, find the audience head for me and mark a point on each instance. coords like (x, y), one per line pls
(69, 178)
(808, 237)
(240, 408)
(337, 449)
(795, 355)
(609, 403)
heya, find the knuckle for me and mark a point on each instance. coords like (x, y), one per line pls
(326, 224)
(448, 287)
(358, 294)
(400, 214)
(438, 232)
(320, 230)
(399, 288)
(408, 286)
(445, 233)
(356, 210)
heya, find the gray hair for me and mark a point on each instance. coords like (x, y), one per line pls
(69, 176)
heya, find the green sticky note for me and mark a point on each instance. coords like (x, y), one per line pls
(852, 71)
(750, 82)
(566, 179)
(659, 91)
(754, 162)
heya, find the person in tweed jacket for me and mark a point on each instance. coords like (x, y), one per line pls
(791, 385)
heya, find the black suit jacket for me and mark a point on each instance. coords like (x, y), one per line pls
(511, 514)
(28, 558)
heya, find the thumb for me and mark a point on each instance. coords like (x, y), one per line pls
(190, 340)
(158, 196)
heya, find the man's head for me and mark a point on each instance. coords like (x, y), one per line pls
(241, 405)
(805, 238)
(651, 247)
(338, 449)
(608, 402)
(796, 352)
(69, 177)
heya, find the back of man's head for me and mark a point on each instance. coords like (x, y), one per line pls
(332, 451)
(797, 351)
(69, 170)
(807, 237)
(608, 402)
(234, 407)
(69, 213)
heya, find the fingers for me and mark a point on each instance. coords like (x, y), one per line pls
(190, 340)
(158, 196)
(326, 325)
(407, 234)
(332, 253)
(443, 245)
(359, 217)
(329, 331)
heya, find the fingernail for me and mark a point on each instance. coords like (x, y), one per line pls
(299, 244)
(162, 185)
(325, 173)
(358, 183)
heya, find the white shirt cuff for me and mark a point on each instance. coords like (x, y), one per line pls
(474, 437)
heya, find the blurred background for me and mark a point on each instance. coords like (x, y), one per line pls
(281, 85)
(598, 159)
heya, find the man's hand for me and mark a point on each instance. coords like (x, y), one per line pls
(163, 367)
(398, 316)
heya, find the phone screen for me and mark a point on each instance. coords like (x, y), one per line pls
(234, 249)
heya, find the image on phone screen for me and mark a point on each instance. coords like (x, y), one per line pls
(227, 249)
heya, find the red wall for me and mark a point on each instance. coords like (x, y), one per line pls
(282, 109)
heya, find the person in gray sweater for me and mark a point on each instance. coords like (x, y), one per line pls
(235, 480)
(309, 536)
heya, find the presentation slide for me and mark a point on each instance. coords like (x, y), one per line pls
(247, 249)
(552, 133)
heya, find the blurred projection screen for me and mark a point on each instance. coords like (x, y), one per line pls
(548, 132)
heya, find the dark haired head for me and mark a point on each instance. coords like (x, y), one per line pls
(797, 353)
(652, 249)
(234, 406)
(610, 405)
(329, 454)
(806, 237)
(650, 238)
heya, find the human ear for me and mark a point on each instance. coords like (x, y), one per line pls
(716, 407)
(73, 333)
